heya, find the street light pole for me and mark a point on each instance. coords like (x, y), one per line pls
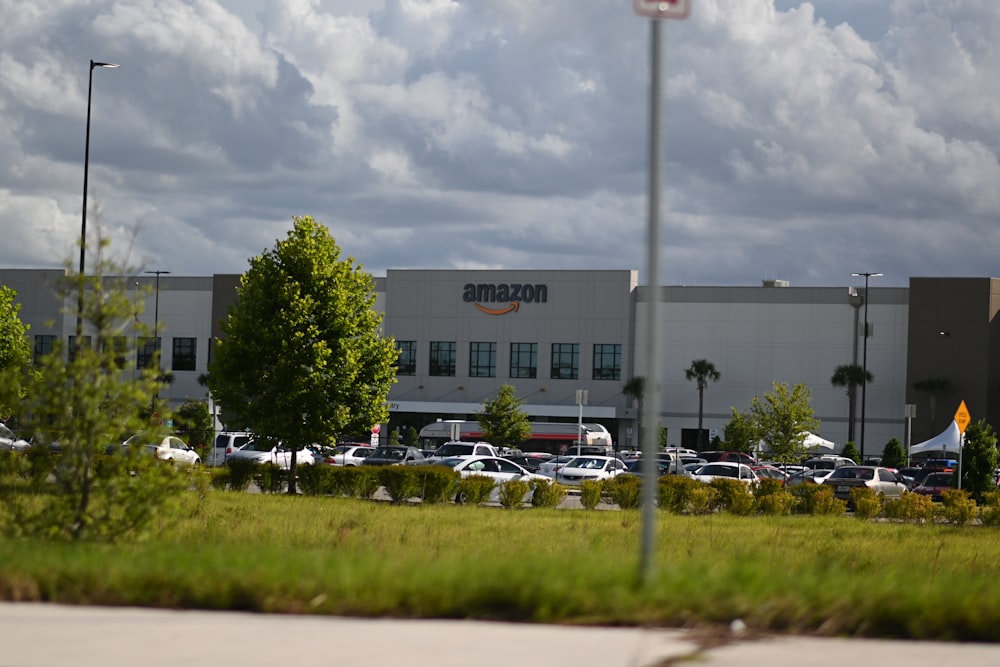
(83, 216)
(864, 363)
(156, 324)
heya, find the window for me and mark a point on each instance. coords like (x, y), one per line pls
(607, 362)
(442, 359)
(44, 344)
(565, 361)
(185, 354)
(523, 360)
(482, 360)
(84, 341)
(147, 350)
(406, 364)
(119, 344)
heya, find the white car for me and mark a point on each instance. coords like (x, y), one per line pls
(500, 470)
(10, 442)
(347, 455)
(727, 470)
(549, 468)
(169, 448)
(266, 451)
(583, 468)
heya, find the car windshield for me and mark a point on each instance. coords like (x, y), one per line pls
(718, 470)
(396, 453)
(451, 462)
(849, 472)
(938, 479)
(586, 463)
(259, 446)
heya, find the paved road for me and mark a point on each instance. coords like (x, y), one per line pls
(37, 635)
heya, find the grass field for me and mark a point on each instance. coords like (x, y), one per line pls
(802, 574)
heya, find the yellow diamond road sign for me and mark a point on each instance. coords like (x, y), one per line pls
(962, 417)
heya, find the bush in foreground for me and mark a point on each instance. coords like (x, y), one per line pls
(474, 490)
(513, 492)
(590, 493)
(624, 491)
(546, 493)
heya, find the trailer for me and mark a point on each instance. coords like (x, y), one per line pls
(549, 437)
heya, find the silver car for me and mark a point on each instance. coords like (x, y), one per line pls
(881, 480)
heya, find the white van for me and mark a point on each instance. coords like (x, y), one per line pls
(225, 444)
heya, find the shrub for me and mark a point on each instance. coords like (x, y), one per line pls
(474, 489)
(991, 510)
(268, 477)
(733, 496)
(41, 462)
(815, 499)
(674, 493)
(766, 487)
(625, 491)
(702, 499)
(240, 474)
(437, 483)
(218, 478)
(313, 480)
(512, 493)
(400, 482)
(775, 503)
(911, 507)
(866, 502)
(590, 493)
(546, 493)
(958, 506)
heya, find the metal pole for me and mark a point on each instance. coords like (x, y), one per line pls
(156, 326)
(649, 435)
(864, 364)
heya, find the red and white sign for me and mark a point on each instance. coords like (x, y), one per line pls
(662, 9)
(376, 428)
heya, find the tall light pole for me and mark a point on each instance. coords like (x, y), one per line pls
(156, 324)
(83, 216)
(864, 363)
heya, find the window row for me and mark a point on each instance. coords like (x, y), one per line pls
(564, 360)
(185, 351)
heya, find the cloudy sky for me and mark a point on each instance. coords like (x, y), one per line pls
(803, 141)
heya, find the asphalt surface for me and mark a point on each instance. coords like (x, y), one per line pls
(40, 635)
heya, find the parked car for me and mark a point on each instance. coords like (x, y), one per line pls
(169, 448)
(550, 467)
(581, 468)
(663, 467)
(935, 484)
(808, 476)
(500, 470)
(262, 450)
(828, 461)
(728, 457)
(347, 454)
(727, 470)
(770, 472)
(226, 443)
(394, 455)
(530, 460)
(459, 448)
(9, 441)
(880, 480)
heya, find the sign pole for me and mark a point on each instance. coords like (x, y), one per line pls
(962, 418)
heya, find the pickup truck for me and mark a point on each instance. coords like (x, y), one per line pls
(459, 448)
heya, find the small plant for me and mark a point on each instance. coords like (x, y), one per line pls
(866, 502)
(733, 496)
(512, 493)
(910, 507)
(823, 502)
(240, 474)
(474, 489)
(590, 493)
(702, 499)
(546, 493)
(311, 479)
(625, 491)
(674, 493)
(269, 478)
(775, 503)
(400, 482)
(990, 514)
(437, 483)
(958, 506)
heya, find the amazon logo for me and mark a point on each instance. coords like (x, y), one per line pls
(508, 296)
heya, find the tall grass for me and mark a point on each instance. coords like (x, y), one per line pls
(813, 574)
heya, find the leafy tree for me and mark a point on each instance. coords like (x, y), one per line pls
(851, 451)
(894, 454)
(503, 421)
(851, 376)
(194, 422)
(303, 358)
(393, 438)
(701, 371)
(15, 353)
(412, 437)
(742, 433)
(784, 416)
(87, 404)
(979, 460)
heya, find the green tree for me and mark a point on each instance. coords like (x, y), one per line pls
(302, 358)
(851, 451)
(979, 460)
(742, 433)
(412, 437)
(851, 376)
(894, 455)
(15, 353)
(701, 371)
(784, 416)
(503, 421)
(87, 403)
(194, 423)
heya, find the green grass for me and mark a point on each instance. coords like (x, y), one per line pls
(802, 574)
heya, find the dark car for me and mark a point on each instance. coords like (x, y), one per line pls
(663, 467)
(728, 457)
(935, 484)
(394, 455)
(530, 460)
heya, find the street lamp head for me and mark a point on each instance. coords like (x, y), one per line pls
(867, 274)
(94, 63)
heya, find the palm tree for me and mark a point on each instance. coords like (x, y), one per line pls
(851, 376)
(634, 389)
(701, 370)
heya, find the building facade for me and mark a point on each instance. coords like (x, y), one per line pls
(464, 333)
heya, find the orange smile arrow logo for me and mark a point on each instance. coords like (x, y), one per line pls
(514, 305)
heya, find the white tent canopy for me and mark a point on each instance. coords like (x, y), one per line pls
(948, 440)
(814, 444)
